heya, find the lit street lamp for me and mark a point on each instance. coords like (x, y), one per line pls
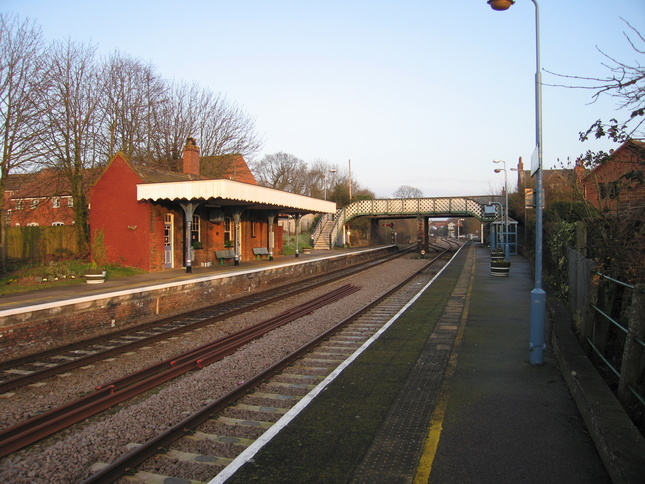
(538, 296)
(507, 250)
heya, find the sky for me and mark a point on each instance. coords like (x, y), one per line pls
(419, 93)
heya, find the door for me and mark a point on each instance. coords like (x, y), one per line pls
(168, 240)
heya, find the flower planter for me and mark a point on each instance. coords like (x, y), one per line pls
(95, 277)
(500, 268)
(306, 250)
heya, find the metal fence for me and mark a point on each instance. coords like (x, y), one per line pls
(609, 319)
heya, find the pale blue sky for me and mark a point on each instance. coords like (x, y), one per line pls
(421, 93)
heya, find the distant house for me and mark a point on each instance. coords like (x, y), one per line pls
(559, 184)
(618, 183)
(41, 199)
(149, 218)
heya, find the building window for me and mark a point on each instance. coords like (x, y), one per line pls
(18, 204)
(227, 230)
(34, 204)
(253, 229)
(57, 224)
(32, 224)
(70, 202)
(195, 232)
(56, 202)
(609, 190)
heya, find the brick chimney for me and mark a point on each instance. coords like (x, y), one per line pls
(191, 157)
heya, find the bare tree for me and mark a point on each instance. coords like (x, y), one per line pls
(280, 171)
(73, 119)
(22, 87)
(625, 82)
(134, 95)
(406, 191)
(221, 127)
(225, 128)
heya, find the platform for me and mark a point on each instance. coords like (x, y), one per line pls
(448, 395)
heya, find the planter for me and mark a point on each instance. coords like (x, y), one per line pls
(306, 250)
(500, 268)
(95, 277)
(497, 255)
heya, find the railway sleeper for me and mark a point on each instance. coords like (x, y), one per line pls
(147, 477)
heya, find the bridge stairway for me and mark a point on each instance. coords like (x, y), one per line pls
(322, 242)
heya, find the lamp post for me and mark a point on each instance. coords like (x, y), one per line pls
(538, 296)
(333, 170)
(507, 250)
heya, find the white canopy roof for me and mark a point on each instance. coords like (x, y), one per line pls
(223, 192)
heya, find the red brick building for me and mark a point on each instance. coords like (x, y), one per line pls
(40, 199)
(617, 184)
(148, 217)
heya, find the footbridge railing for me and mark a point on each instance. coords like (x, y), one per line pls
(429, 207)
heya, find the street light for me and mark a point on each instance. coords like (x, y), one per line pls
(507, 250)
(538, 296)
(333, 170)
(460, 220)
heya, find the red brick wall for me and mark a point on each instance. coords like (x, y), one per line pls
(623, 161)
(126, 223)
(44, 215)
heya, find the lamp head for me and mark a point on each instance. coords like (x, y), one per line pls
(498, 161)
(498, 170)
(500, 4)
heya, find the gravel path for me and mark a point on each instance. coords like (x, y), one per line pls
(67, 457)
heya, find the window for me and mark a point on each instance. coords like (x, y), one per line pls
(34, 204)
(18, 204)
(56, 202)
(609, 190)
(195, 232)
(253, 229)
(70, 202)
(32, 224)
(227, 230)
(57, 224)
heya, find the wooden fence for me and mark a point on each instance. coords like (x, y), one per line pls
(40, 243)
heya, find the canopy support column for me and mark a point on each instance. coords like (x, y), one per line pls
(270, 219)
(297, 218)
(189, 211)
(237, 242)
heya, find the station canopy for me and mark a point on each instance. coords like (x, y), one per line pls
(230, 193)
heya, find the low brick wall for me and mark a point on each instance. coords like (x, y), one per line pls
(36, 328)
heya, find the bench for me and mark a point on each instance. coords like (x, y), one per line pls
(222, 255)
(259, 252)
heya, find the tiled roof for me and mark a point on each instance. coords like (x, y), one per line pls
(155, 175)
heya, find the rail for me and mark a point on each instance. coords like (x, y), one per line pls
(140, 454)
(36, 428)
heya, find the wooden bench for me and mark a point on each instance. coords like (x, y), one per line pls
(259, 252)
(222, 255)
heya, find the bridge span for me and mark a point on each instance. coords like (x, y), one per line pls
(330, 229)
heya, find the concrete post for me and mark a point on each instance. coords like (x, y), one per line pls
(634, 351)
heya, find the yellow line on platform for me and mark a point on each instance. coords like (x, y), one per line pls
(429, 451)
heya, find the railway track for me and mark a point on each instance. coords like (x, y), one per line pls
(206, 443)
(32, 430)
(38, 367)
(22, 372)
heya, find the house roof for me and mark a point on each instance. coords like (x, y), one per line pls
(46, 183)
(218, 193)
(232, 167)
